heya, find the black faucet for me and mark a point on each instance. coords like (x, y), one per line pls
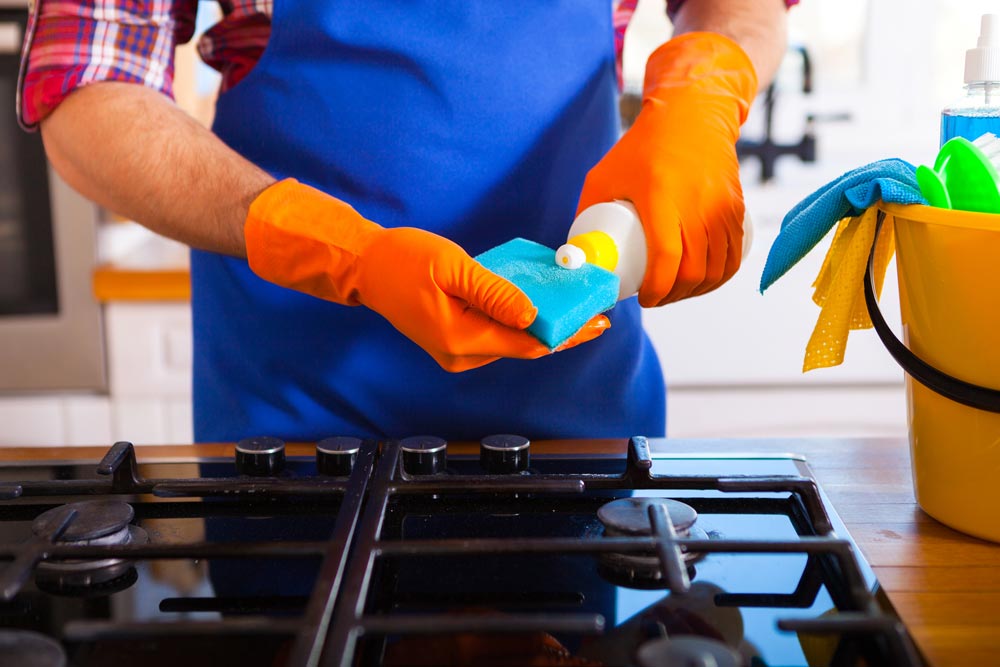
(766, 149)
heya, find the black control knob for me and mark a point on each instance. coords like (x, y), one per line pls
(336, 456)
(504, 454)
(423, 454)
(260, 457)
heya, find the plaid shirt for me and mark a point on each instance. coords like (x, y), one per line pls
(70, 43)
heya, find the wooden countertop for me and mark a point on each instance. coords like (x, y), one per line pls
(113, 283)
(945, 585)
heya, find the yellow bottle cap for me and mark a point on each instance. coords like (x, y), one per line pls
(599, 248)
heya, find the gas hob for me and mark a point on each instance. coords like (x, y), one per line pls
(422, 552)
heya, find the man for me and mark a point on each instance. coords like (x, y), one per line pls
(359, 160)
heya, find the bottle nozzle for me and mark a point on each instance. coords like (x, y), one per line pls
(983, 62)
(596, 248)
(569, 256)
(989, 32)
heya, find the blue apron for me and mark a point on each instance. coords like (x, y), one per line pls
(475, 120)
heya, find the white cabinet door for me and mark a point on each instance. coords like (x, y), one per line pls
(149, 356)
(783, 412)
(149, 349)
(31, 421)
(153, 421)
(55, 420)
(88, 420)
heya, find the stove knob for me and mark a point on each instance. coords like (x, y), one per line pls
(504, 454)
(336, 456)
(260, 457)
(423, 454)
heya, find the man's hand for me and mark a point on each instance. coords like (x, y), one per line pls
(677, 164)
(426, 286)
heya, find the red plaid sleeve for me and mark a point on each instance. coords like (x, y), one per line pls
(234, 45)
(70, 43)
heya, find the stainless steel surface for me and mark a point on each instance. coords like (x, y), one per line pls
(63, 351)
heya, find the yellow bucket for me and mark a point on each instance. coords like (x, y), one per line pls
(948, 263)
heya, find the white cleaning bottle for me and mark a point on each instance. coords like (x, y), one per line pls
(978, 111)
(610, 235)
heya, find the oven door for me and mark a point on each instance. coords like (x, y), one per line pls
(50, 323)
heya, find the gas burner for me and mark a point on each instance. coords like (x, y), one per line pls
(629, 517)
(67, 586)
(23, 648)
(687, 652)
(97, 522)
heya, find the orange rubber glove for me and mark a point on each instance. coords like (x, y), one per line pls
(677, 165)
(426, 286)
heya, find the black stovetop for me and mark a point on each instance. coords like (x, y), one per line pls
(463, 566)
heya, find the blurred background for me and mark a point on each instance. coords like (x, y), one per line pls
(881, 71)
(863, 80)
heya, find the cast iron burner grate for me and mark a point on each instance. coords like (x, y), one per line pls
(336, 619)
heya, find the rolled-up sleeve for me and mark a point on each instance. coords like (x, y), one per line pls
(69, 44)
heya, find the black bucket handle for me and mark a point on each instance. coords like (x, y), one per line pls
(974, 396)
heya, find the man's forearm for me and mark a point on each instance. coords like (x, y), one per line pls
(758, 26)
(136, 153)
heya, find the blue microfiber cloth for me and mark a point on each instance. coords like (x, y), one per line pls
(566, 298)
(893, 181)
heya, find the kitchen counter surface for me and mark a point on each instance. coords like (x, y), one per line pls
(136, 264)
(115, 283)
(945, 585)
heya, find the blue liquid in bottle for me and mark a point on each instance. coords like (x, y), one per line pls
(970, 127)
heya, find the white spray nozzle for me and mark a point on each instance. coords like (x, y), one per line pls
(989, 32)
(983, 62)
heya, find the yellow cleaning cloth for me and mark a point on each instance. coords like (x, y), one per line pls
(840, 287)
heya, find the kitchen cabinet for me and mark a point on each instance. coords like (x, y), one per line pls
(63, 419)
(149, 397)
(721, 384)
(149, 346)
(149, 370)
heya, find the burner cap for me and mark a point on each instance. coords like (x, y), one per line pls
(641, 573)
(23, 648)
(686, 652)
(94, 519)
(629, 516)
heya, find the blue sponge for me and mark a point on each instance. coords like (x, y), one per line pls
(566, 298)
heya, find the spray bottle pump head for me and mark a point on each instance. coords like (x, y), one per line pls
(983, 62)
